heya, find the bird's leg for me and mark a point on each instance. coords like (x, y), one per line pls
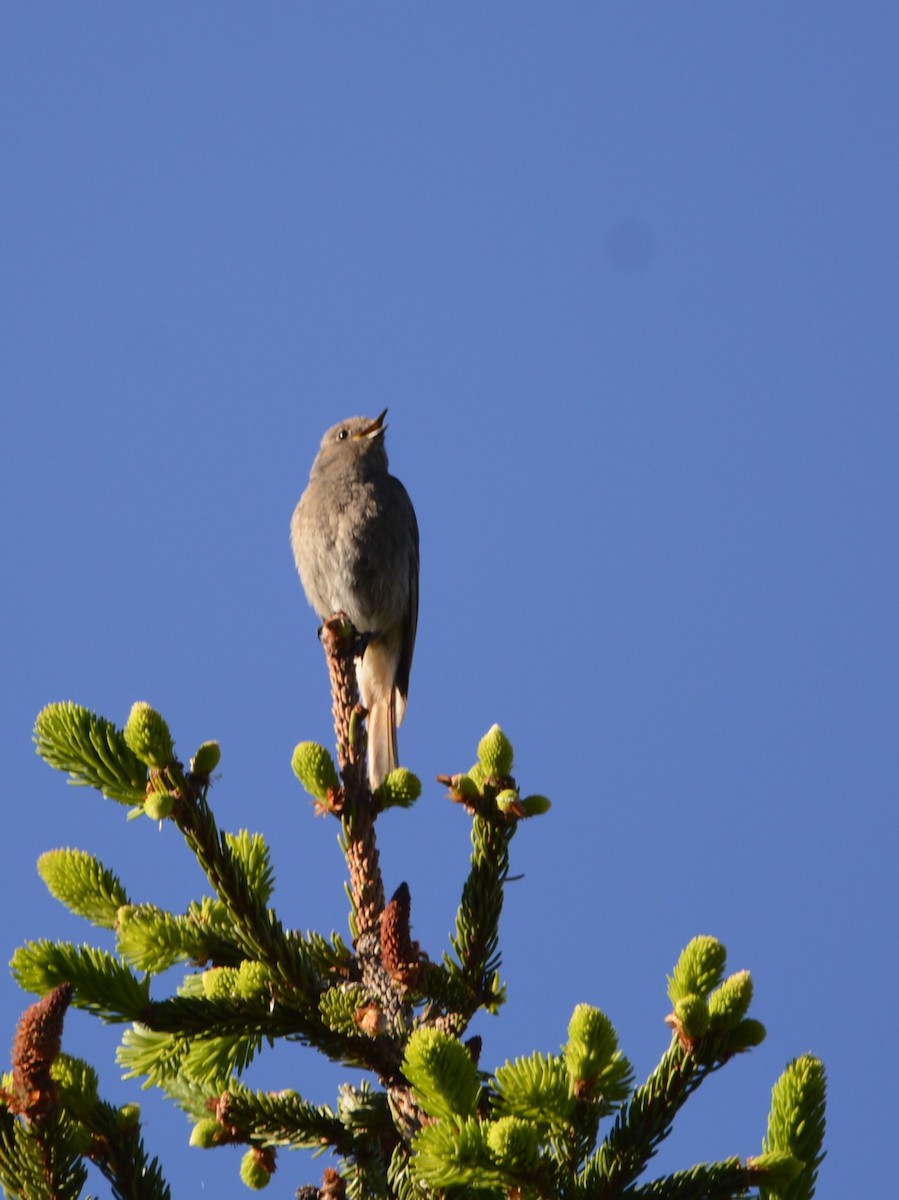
(361, 642)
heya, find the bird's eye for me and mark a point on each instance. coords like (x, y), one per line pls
(342, 435)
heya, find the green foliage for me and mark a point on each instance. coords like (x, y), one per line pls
(83, 885)
(691, 1017)
(745, 1035)
(729, 1003)
(442, 1073)
(514, 1144)
(78, 1085)
(170, 1060)
(730, 1177)
(150, 939)
(456, 1155)
(699, 969)
(476, 938)
(569, 1124)
(284, 1119)
(595, 1065)
(777, 1171)
(91, 750)
(538, 1089)
(251, 851)
(796, 1126)
(340, 1007)
(102, 985)
(44, 1159)
(41, 1162)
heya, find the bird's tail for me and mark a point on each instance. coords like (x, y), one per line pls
(382, 756)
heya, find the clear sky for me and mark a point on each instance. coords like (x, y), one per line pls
(626, 277)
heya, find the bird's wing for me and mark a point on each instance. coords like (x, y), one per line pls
(410, 624)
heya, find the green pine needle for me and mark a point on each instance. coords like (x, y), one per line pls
(102, 984)
(83, 885)
(92, 750)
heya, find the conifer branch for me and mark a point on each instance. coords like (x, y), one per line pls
(282, 1119)
(43, 1160)
(101, 984)
(339, 640)
(711, 1181)
(91, 750)
(115, 1145)
(643, 1123)
(476, 937)
(63, 1120)
(83, 885)
(435, 1119)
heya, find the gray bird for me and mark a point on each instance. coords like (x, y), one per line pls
(355, 541)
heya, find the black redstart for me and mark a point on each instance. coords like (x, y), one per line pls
(355, 541)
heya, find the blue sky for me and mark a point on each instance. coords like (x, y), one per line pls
(626, 277)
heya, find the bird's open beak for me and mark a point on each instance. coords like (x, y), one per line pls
(376, 429)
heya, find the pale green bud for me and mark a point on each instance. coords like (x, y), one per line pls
(514, 1143)
(699, 969)
(257, 1168)
(747, 1034)
(206, 758)
(478, 778)
(147, 736)
(509, 803)
(691, 1017)
(729, 1003)
(591, 1046)
(495, 753)
(535, 806)
(127, 1117)
(220, 983)
(400, 789)
(252, 979)
(206, 1133)
(466, 786)
(314, 767)
(159, 805)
